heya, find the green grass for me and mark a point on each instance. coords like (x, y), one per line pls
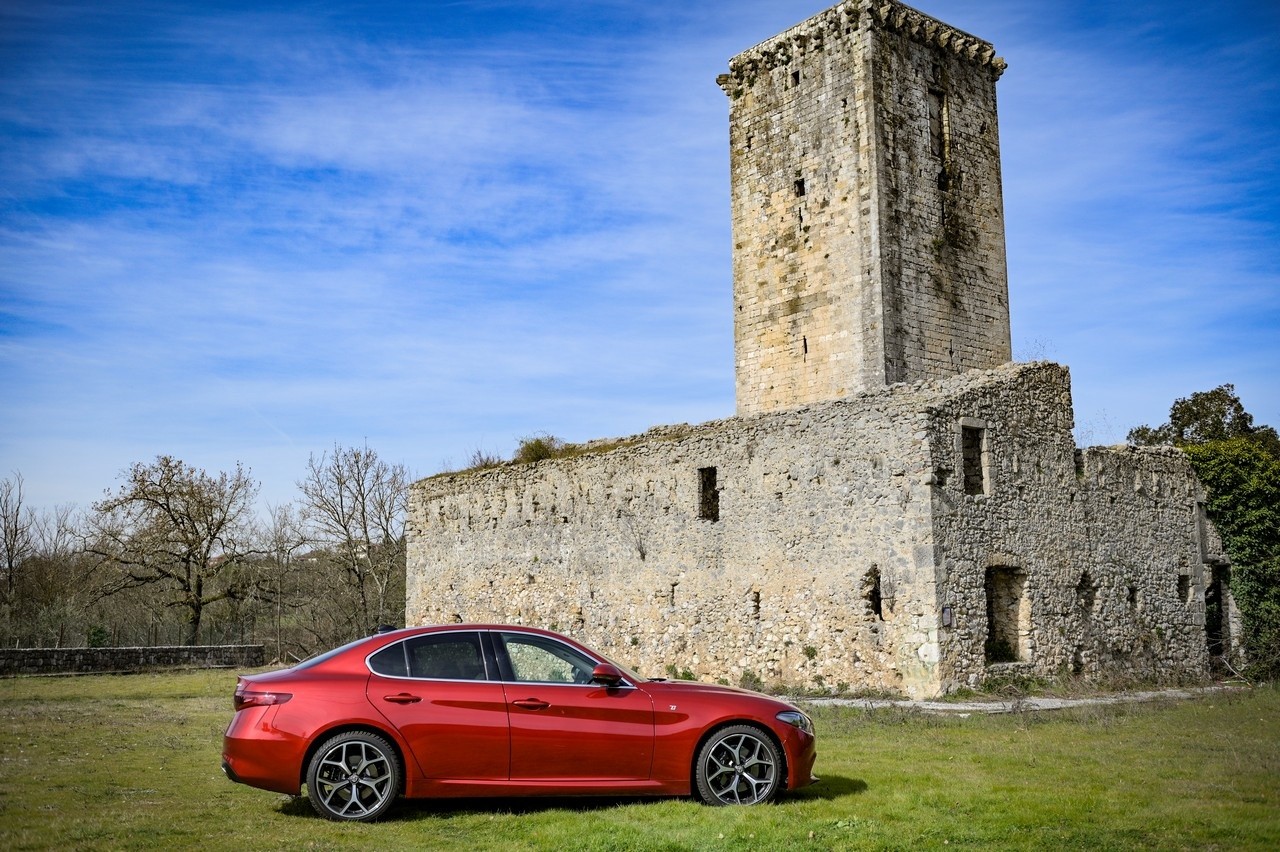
(132, 762)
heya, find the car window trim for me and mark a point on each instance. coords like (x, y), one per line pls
(507, 673)
(494, 657)
(485, 658)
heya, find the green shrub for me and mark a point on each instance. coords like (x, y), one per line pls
(540, 447)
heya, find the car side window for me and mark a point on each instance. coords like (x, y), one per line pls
(443, 656)
(390, 661)
(536, 659)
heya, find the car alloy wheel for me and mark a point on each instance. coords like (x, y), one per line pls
(353, 776)
(740, 765)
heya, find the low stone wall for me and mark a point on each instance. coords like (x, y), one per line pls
(15, 661)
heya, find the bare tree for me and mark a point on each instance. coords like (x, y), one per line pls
(15, 531)
(179, 529)
(44, 594)
(356, 506)
(284, 539)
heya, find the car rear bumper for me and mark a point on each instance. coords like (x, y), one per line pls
(259, 755)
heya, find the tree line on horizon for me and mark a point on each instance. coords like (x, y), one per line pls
(178, 556)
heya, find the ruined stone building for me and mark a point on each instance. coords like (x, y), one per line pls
(895, 506)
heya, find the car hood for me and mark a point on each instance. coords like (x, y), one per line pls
(690, 687)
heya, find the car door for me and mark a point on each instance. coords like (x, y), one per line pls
(565, 728)
(436, 690)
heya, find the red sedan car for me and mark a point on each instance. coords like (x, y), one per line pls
(487, 710)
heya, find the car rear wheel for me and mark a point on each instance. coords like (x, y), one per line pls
(739, 765)
(353, 776)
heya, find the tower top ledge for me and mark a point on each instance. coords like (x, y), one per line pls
(810, 35)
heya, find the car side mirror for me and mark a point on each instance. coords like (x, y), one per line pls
(606, 675)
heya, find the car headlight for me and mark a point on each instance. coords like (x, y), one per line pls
(796, 719)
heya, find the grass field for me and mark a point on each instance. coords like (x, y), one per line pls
(115, 762)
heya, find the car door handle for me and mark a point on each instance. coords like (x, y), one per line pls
(402, 698)
(531, 704)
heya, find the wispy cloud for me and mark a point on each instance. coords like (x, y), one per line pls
(245, 234)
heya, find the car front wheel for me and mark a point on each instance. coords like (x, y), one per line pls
(739, 765)
(353, 776)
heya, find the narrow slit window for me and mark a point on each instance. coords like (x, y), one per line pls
(1086, 594)
(800, 188)
(709, 495)
(871, 593)
(973, 452)
(937, 124)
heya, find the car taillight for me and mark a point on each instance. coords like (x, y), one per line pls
(244, 699)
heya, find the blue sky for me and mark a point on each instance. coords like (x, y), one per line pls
(249, 231)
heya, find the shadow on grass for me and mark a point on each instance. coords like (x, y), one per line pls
(829, 788)
(415, 809)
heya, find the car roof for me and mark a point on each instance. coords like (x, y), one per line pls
(445, 628)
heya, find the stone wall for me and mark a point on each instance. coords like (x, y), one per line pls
(868, 223)
(843, 548)
(613, 548)
(1098, 538)
(15, 661)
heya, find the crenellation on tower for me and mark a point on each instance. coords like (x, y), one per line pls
(868, 224)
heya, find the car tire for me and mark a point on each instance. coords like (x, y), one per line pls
(738, 765)
(353, 777)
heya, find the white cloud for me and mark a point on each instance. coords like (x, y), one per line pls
(266, 232)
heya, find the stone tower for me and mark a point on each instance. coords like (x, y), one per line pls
(868, 225)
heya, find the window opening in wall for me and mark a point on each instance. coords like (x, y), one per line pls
(1132, 598)
(1086, 594)
(972, 441)
(709, 495)
(795, 78)
(871, 593)
(1217, 625)
(1184, 588)
(940, 145)
(799, 185)
(755, 606)
(939, 129)
(1008, 615)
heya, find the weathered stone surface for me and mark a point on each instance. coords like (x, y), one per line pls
(843, 532)
(868, 220)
